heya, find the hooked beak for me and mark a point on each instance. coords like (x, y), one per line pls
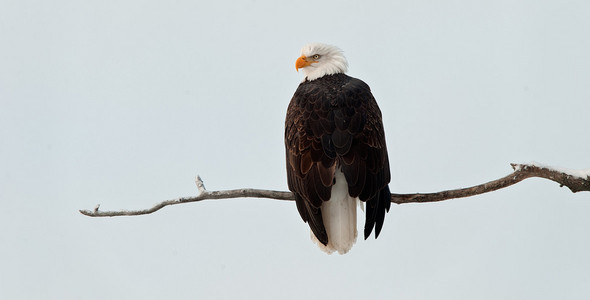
(303, 62)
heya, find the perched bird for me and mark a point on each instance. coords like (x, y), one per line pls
(336, 153)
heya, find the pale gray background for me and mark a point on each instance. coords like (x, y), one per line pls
(122, 103)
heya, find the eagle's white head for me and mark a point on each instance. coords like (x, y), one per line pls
(318, 60)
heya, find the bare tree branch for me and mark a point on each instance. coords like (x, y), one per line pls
(575, 180)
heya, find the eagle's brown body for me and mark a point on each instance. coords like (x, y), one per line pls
(333, 123)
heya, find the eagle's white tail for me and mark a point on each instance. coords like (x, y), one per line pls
(339, 216)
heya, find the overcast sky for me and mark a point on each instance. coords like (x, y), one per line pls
(122, 103)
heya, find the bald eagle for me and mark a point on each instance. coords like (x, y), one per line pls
(336, 153)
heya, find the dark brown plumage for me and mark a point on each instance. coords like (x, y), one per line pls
(334, 122)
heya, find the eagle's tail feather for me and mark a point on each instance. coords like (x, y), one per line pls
(339, 216)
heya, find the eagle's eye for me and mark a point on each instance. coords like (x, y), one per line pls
(316, 56)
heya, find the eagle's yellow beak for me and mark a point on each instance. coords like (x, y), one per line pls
(303, 62)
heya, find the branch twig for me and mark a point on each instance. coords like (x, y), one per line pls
(576, 181)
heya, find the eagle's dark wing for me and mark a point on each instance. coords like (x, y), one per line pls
(334, 122)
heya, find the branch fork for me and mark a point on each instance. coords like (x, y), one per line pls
(200, 185)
